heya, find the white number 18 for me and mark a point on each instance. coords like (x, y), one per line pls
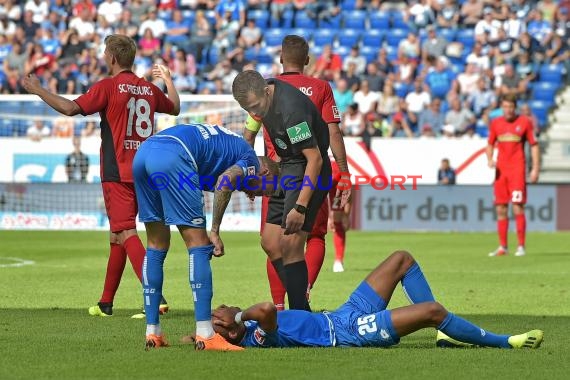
(141, 108)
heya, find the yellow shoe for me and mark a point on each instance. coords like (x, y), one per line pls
(215, 343)
(445, 341)
(531, 339)
(101, 310)
(155, 341)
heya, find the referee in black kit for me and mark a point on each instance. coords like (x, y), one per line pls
(301, 139)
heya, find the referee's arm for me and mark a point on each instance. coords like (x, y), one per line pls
(312, 170)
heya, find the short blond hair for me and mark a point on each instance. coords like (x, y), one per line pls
(123, 48)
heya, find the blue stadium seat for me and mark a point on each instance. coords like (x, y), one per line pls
(391, 53)
(331, 22)
(285, 22)
(466, 37)
(189, 16)
(316, 51)
(211, 16)
(250, 54)
(373, 38)
(261, 17)
(264, 56)
(307, 34)
(540, 109)
(348, 5)
(273, 37)
(544, 91)
(369, 53)
(398, 21)
(6, 129)
(324, 37)
(551, 73)
(11, 107)
(448, 34)
(482, 130)
(394, 36)
(343, 51)
(354, 19)
(402, 89)
(379, 20)
(304, 21)
(348, 37)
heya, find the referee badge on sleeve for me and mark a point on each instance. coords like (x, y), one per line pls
(299, 132)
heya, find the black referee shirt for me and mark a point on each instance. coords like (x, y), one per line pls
(294, 123)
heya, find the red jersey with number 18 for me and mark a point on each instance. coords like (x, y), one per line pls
(126, 104)
(320, 93)
(511, 137)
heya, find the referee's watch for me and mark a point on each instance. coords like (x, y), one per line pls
(300, 209)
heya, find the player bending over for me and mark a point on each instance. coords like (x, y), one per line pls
(363, 321)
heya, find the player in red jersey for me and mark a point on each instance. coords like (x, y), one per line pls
(126, 104)
(339, 221)
(294, 56)
(510, 132)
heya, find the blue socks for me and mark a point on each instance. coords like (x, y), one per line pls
(200, 274)
(152, 283)
(415, 286)
(465, 331)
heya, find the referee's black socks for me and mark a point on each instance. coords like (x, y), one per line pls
(296, 285)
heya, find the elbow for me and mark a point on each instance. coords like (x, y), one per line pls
(176, 109)
(268, 308)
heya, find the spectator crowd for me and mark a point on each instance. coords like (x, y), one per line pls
(417, 68)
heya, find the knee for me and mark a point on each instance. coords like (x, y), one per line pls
(270, 247)
(404, 259)
(436, 313)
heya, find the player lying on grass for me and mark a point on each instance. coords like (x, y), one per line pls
(363, 321)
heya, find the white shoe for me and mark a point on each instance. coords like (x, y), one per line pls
(338, 267)
(520, 251)
(501, 251)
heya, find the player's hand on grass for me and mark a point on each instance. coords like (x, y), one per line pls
(218, 244)
(294, 222)
(160, 71)
(31, 84)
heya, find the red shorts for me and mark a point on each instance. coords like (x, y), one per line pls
(510, 187)
(121, 205)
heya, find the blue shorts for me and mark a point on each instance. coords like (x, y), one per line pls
(162, 194)
(363, 320)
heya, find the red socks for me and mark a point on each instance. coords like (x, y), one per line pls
(275, 286)
(521, 228)
(339, 240)
(314, 256)
(503, 230)
(136, 252)
(115, 267)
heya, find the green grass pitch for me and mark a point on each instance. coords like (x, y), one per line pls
(45, 331)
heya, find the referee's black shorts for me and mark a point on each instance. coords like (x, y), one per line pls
(291, 183)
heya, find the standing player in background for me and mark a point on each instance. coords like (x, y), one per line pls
(126, 104)
(294, 57)
(339, 221)
(511, 132)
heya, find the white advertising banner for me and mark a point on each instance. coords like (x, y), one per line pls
(449, 208)
(29, 161)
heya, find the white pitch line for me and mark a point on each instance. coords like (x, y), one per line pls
(18, 262)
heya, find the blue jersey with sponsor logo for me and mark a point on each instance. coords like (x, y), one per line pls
(213, 149)
(295, 328)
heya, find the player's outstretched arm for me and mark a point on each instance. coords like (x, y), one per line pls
(162, 72)
(225, 185)
(62, 105)
(339, 153)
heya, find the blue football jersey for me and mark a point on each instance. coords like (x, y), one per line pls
(295, 328)
(214, 149)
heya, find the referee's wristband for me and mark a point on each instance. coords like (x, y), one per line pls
(237, 318)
